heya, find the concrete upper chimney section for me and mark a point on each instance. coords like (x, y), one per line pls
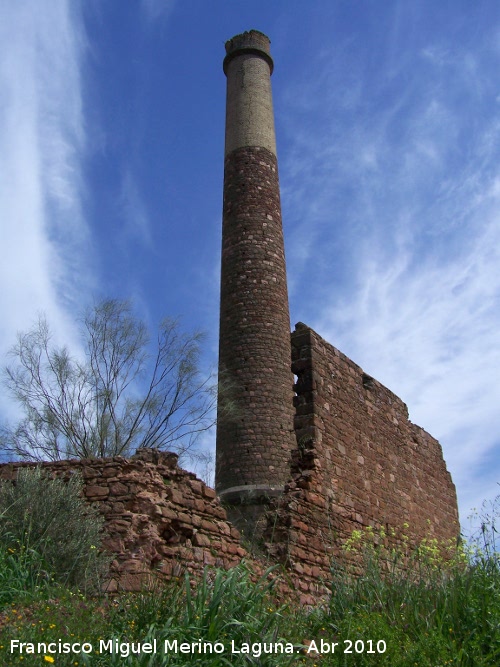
(255, 407)
(249, 103)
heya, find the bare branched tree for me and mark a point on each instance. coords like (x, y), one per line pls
(123, 395)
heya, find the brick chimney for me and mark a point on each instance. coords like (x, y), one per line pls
(255, 409)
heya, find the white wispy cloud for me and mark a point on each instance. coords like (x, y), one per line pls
(137, 225)
(44, 238)
(391, 195)
(155, 10)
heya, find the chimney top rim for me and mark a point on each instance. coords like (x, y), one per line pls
(252, 42)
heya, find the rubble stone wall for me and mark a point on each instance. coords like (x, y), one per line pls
(359, 463)
(158, 517)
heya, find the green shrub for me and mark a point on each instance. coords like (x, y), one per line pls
(49, 517)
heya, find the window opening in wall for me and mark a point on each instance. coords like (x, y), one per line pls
(368, 381)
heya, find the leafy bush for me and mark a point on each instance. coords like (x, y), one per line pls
(50, 518)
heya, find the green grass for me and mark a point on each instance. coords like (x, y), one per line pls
(441, 615)
(426, 608)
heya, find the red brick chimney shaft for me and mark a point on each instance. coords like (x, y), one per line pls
(255, 413)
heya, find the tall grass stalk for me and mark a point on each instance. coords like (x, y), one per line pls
(448, 609)
(423, 610)
(22, 574)
(221, 607)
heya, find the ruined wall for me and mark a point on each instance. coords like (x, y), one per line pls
(359, 462)
(158, 517)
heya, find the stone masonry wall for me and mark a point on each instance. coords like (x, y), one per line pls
(158, 517)
(359, 462)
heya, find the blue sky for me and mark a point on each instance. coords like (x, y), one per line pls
(388, 131)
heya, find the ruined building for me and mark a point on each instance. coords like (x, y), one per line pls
(340, 454)
(299, 467)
